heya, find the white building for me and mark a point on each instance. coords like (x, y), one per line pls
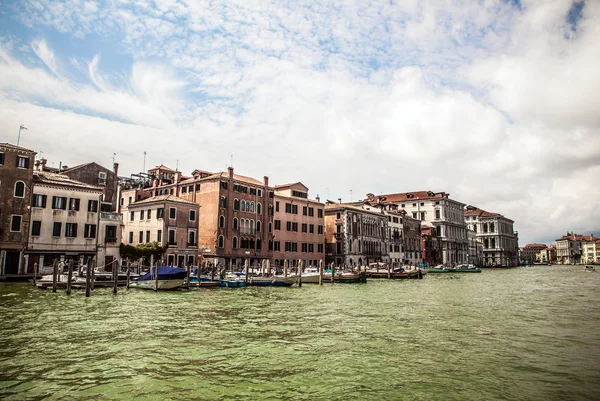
(496, 233)
(439, 211)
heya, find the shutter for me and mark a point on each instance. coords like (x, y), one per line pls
(27, 162)
(74, 229)
(44, 197)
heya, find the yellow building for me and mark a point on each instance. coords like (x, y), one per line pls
(590, 251)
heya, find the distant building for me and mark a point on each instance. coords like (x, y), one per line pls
(16, 177)
(437, 210)
(354, 235)
(527, 254)
(569, 248)
(496, 233)
(547, 255)
(591, 250)
(169, 220)
(298, 228)
(94, 174)
(432, 246)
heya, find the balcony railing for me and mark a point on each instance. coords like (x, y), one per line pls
(111, 240)
(111, 216)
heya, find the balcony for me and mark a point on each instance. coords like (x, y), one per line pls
(111, 240)
(111, 216)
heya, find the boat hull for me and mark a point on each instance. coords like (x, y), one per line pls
(231, 283)
(162, 284)
(273, 281)
(346, 278)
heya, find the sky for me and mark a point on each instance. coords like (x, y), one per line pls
(495, 102)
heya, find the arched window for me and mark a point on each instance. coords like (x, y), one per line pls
(251, 226)
(258, 208)
(234, 243)
(270, 227)
(258, 245)
(494, 243)
(243, 207)
(235, 223)
(252, 207)
(492, 228)
(19, 189)
(251, 243)
(257, 226)
(220, 242)
(236, 204)
(221, 221)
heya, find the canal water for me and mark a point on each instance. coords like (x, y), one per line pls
(515, 334)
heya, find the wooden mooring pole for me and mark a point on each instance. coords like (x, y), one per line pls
(128, 273)
(115, 275)
(187, 280)
(300, 268)
(247, 266)
(35, 270)
(88, 278)
(389, 272)
(155, 276)
(54, 274)
(95, 262)
(321, 272)
(69, 277)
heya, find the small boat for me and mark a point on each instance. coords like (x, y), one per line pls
(438, 269)
(169, 278)
(232, 280)
(275, 281)
(398, 273)
(310, 275)
(590, 269)
(465, 269)
(346, 277)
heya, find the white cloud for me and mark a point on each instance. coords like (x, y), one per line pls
(496, 106)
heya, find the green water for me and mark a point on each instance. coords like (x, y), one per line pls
(518, 334)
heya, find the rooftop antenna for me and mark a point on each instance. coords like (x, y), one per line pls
(350, 195)
(144, 170)
(231, 160)
(22, 127)
(114, 155)
(177, 165)
(41, 153)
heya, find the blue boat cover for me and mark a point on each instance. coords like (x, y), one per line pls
(164, 273)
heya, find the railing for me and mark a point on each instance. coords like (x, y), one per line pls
(192, 244)
(111, 240)
(111, 216)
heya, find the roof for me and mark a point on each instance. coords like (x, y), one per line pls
(162, 167)
(475, 211)
(83, 165)
(46, 177)
(291, 184)
(577, 237)
(535, 246)
(15, 147)
(236, 177)
(163, 198)
(411, 196)
(334, 206)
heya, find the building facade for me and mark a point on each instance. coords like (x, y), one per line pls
(569, 248)
(590, 253)
(547, 255)
(496, 233)
(16, 177)
(168, 220)
(431, 246)
(527, 254)
(298, 229)
(355, 236)
(65, 221)
(94, 174)
(437, 210)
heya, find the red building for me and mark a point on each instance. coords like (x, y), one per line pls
(431, 245)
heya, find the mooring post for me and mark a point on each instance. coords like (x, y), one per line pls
(321, 272)
(389, 272)
(300, 268)
(187, 280)
(88, 278)
(35, 269)
(155, 276)
(212, 273)
(247, 266)
(115, 275)
(285, 268)
(332, 271)
(128, 272)
(69, 277)
(54, 274)
(94, 262)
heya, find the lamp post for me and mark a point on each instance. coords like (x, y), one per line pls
(22, 127)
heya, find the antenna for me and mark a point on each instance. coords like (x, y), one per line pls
(144, 169)
(231, 160)
(177, 165)
(114, 155)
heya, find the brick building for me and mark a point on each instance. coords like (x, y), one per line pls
(527, 254)
(431, 246)
(16, 177)
(94, 174)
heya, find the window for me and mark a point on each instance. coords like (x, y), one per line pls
(304, 227)
(36, 228)
(319, 229)
(74, 204)
(234, 243)
(191, 238)
(172, 212)
(59, 202)
(311, 247)
(235, 223)
(192, 215)
(141, 215)
(236, 204)
(89, 231)
(338, 215)
(437, 213)
(278, 224)
(22, 162)
(304, 247)
(295, 227)
(223, 202)
(438, 231)
(251, 207)
(288, 208)
(149, 214)
(288, 246)
(1, 157)
(277, 246)
(172, 237)
(270, 227)
(92, 206)
(130, 237)
(160, 213)
(258, 208)
(294, 247)
(299, 194)
(140, 237)
(311, 211)
(147, 236)
(102, 178)
(320, 213)
(311, 229)
(243, 206)
(15, 223)
(277, 206)
(19, 189)
(294, 209)
(71, 230)
(197, 187)
(159, 236)
(320, 248)
(56, 229)
(414, 214)
(221, 221)
(423, 216)
(257, 226)
(271, 194)
(304, 210)
(129, 201)
(288, 226)
(220, 242)
(131, 216)
(39, 200)
(183, 190)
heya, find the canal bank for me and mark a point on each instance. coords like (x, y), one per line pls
(522, 334)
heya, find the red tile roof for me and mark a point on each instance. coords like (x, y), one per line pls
(475, 211)
(14, 147)
(237, 177)
(535, 246)
(410, 196)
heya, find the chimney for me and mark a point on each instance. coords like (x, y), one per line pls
(266, 178)
(340, 200)
(230, 172)
(318, 199)
(116, 169)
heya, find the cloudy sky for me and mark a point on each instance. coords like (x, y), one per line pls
(495, 102)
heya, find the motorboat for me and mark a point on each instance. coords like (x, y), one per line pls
(169, 278)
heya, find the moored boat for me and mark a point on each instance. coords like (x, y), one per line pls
(276, 281)
(169, 278)
(345, 277)
(438, 269)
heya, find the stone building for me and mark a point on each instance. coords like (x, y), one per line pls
(590, 251)
(413, 254)
(65, 220)
(94, 174)
(496, 233)
(298, 229)
(527, 254)
(169, 220)
(569, 248)
(16, 177)
(437, 210)
(354, 235)
(431, 246)
(547, 255)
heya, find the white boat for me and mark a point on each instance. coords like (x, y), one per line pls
(310, 275)
(169, 278)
